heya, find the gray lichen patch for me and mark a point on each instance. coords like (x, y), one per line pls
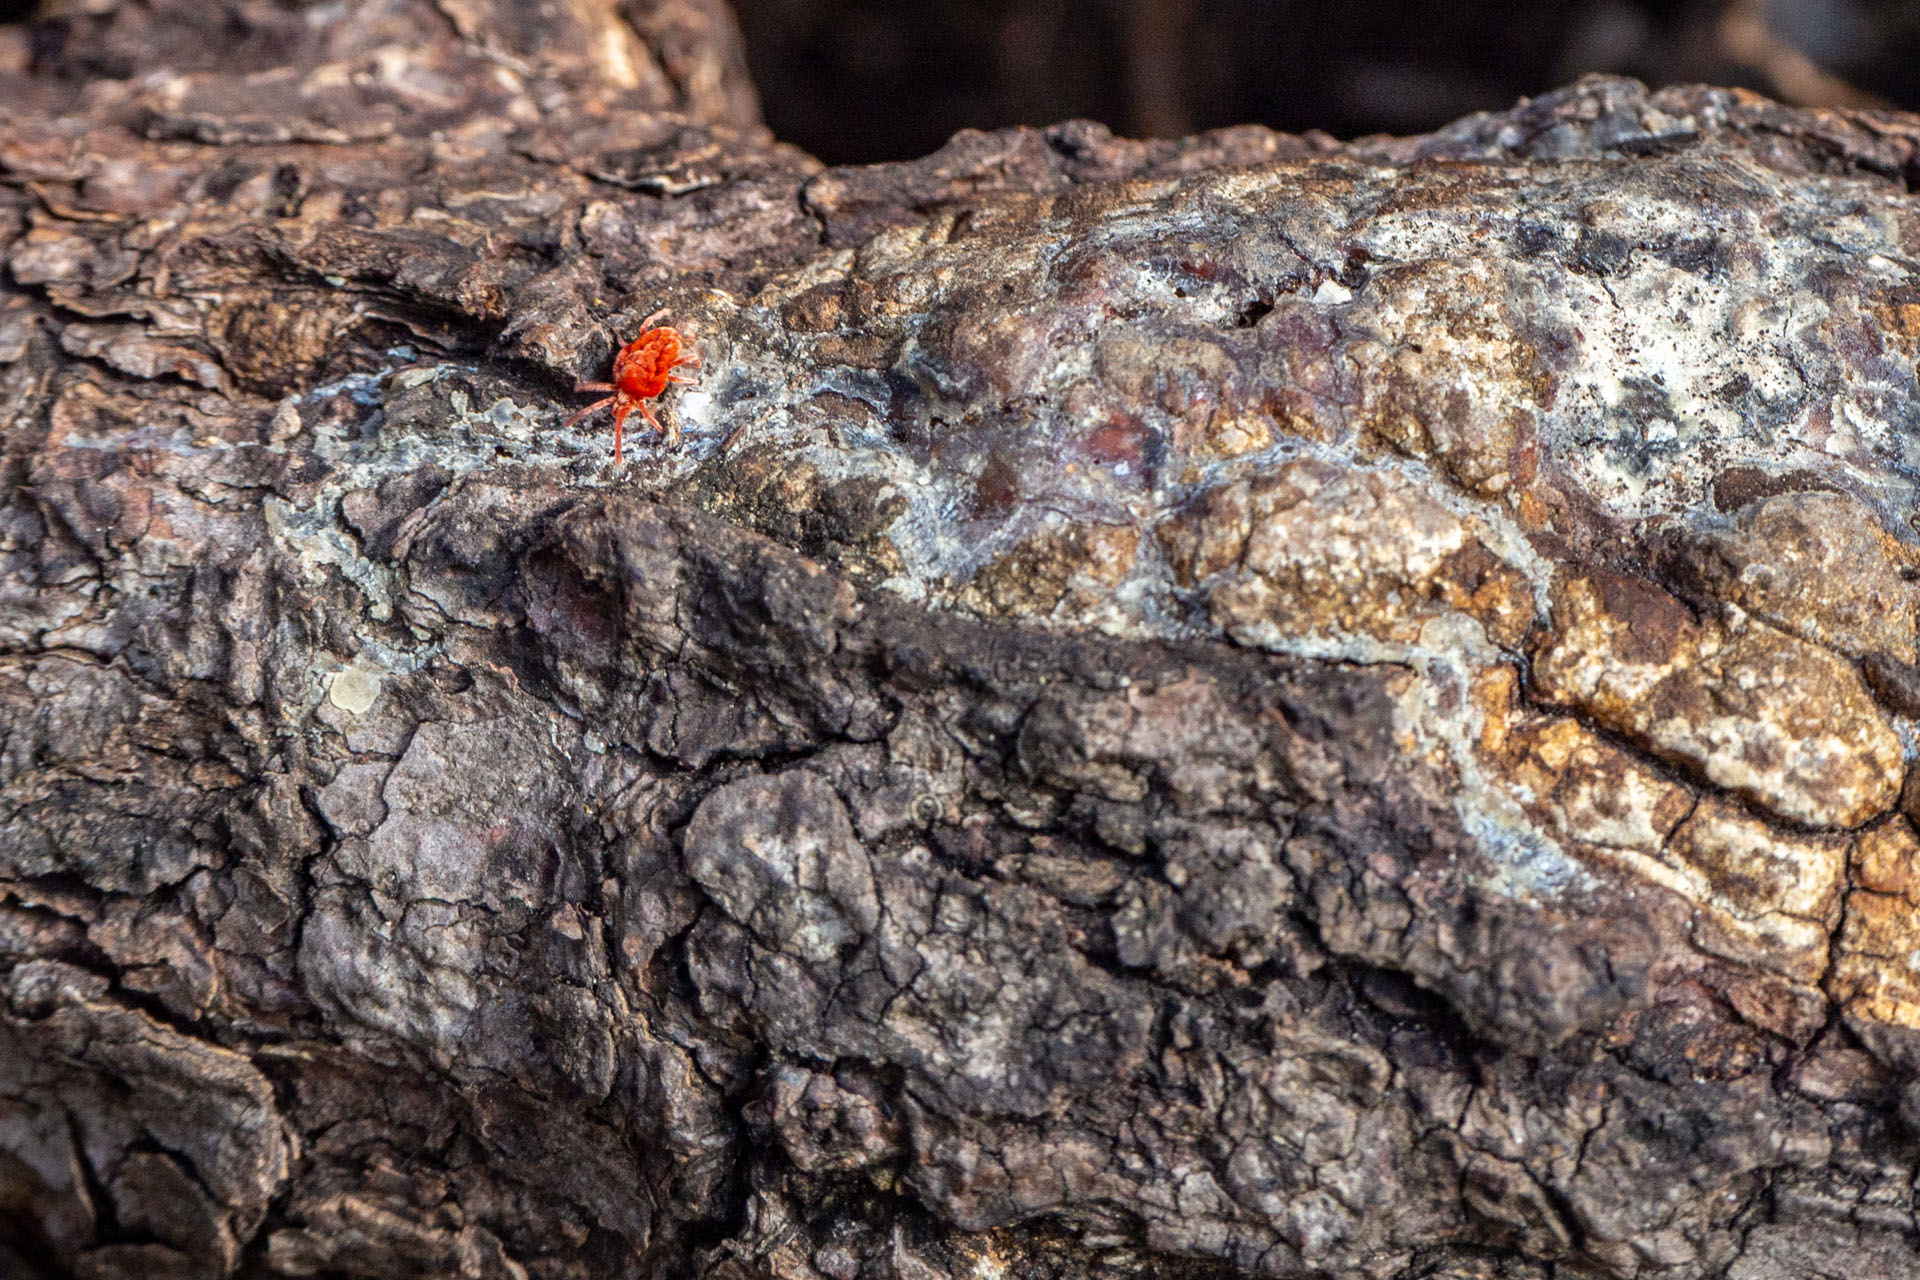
(1336, 406)
(1530, 341)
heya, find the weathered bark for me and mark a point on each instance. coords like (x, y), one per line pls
(1244, 705)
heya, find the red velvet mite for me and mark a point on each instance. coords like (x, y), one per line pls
(641, 371)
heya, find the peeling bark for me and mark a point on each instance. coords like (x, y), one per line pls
(1237, 706)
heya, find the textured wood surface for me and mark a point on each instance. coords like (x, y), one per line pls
(1243, 705)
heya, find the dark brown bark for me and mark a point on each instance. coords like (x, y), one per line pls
(1229, 706)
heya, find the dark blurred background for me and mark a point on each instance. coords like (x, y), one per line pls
(856, 80)
(861, 80)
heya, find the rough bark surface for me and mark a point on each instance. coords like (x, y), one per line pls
(1240, 706)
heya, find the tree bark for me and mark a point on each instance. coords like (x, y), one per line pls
(1238, 706)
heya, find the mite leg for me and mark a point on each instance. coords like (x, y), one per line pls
(685, 382)
(648, 322)
(620, 413)
(597, 404)
(592, 386)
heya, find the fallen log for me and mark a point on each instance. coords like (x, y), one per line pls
(1249, 705)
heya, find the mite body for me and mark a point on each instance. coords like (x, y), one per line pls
(641, 371)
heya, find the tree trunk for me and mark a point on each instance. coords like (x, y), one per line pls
(1246, 705)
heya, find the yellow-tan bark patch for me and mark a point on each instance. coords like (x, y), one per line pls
(1753, 710)
(1815, 564)
(1074, 568)
(1876, 972)
(1763, 896)
(1310, 548)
